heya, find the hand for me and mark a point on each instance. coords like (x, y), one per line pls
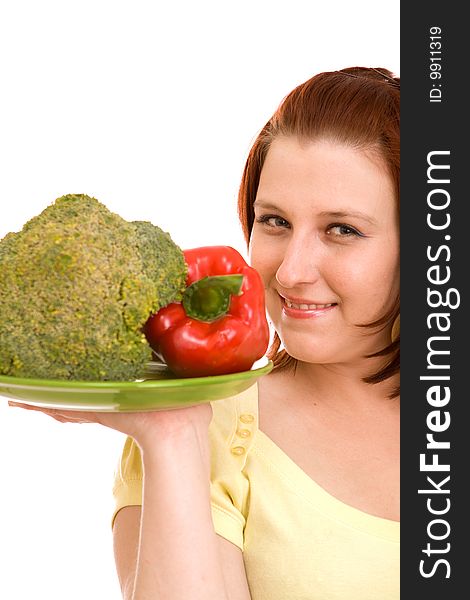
(142, 426)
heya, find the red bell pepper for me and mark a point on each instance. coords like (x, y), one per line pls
(220, 326)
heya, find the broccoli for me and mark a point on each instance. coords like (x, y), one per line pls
(77, 284)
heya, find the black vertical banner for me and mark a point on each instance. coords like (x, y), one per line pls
(435, 251)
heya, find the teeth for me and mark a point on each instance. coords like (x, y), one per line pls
(290, 304)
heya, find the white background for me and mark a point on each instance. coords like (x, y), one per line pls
(150, 107)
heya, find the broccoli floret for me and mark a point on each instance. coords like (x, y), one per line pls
(77, 284)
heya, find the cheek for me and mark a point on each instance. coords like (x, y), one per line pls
(263, 258)
(373, 283)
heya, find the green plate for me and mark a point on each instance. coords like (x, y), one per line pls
(160, 390)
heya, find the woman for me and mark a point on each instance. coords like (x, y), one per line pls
(291, 489)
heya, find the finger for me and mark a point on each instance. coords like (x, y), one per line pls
(25, 406)
(57, 414)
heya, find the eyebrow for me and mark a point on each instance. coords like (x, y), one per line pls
(344, 214)
(265, 204)
(334, 214)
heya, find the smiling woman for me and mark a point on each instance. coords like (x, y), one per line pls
(289, 489)
(304, 465)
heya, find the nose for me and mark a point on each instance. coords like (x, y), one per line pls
(300, 264)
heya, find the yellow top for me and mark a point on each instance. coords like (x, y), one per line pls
(298, 541)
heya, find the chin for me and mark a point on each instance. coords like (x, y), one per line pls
(306, 350)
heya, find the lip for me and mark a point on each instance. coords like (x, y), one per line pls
(300, 313)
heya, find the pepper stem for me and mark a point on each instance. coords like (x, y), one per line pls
(208, 299)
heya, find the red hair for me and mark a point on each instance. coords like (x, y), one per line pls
(357, 107)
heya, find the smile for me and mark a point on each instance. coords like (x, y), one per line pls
(290, 304)
(305, 310)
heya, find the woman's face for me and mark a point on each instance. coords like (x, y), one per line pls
(326, 243)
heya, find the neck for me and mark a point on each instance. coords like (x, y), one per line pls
(341, 385)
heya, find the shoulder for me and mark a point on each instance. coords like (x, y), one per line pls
(231, 432)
